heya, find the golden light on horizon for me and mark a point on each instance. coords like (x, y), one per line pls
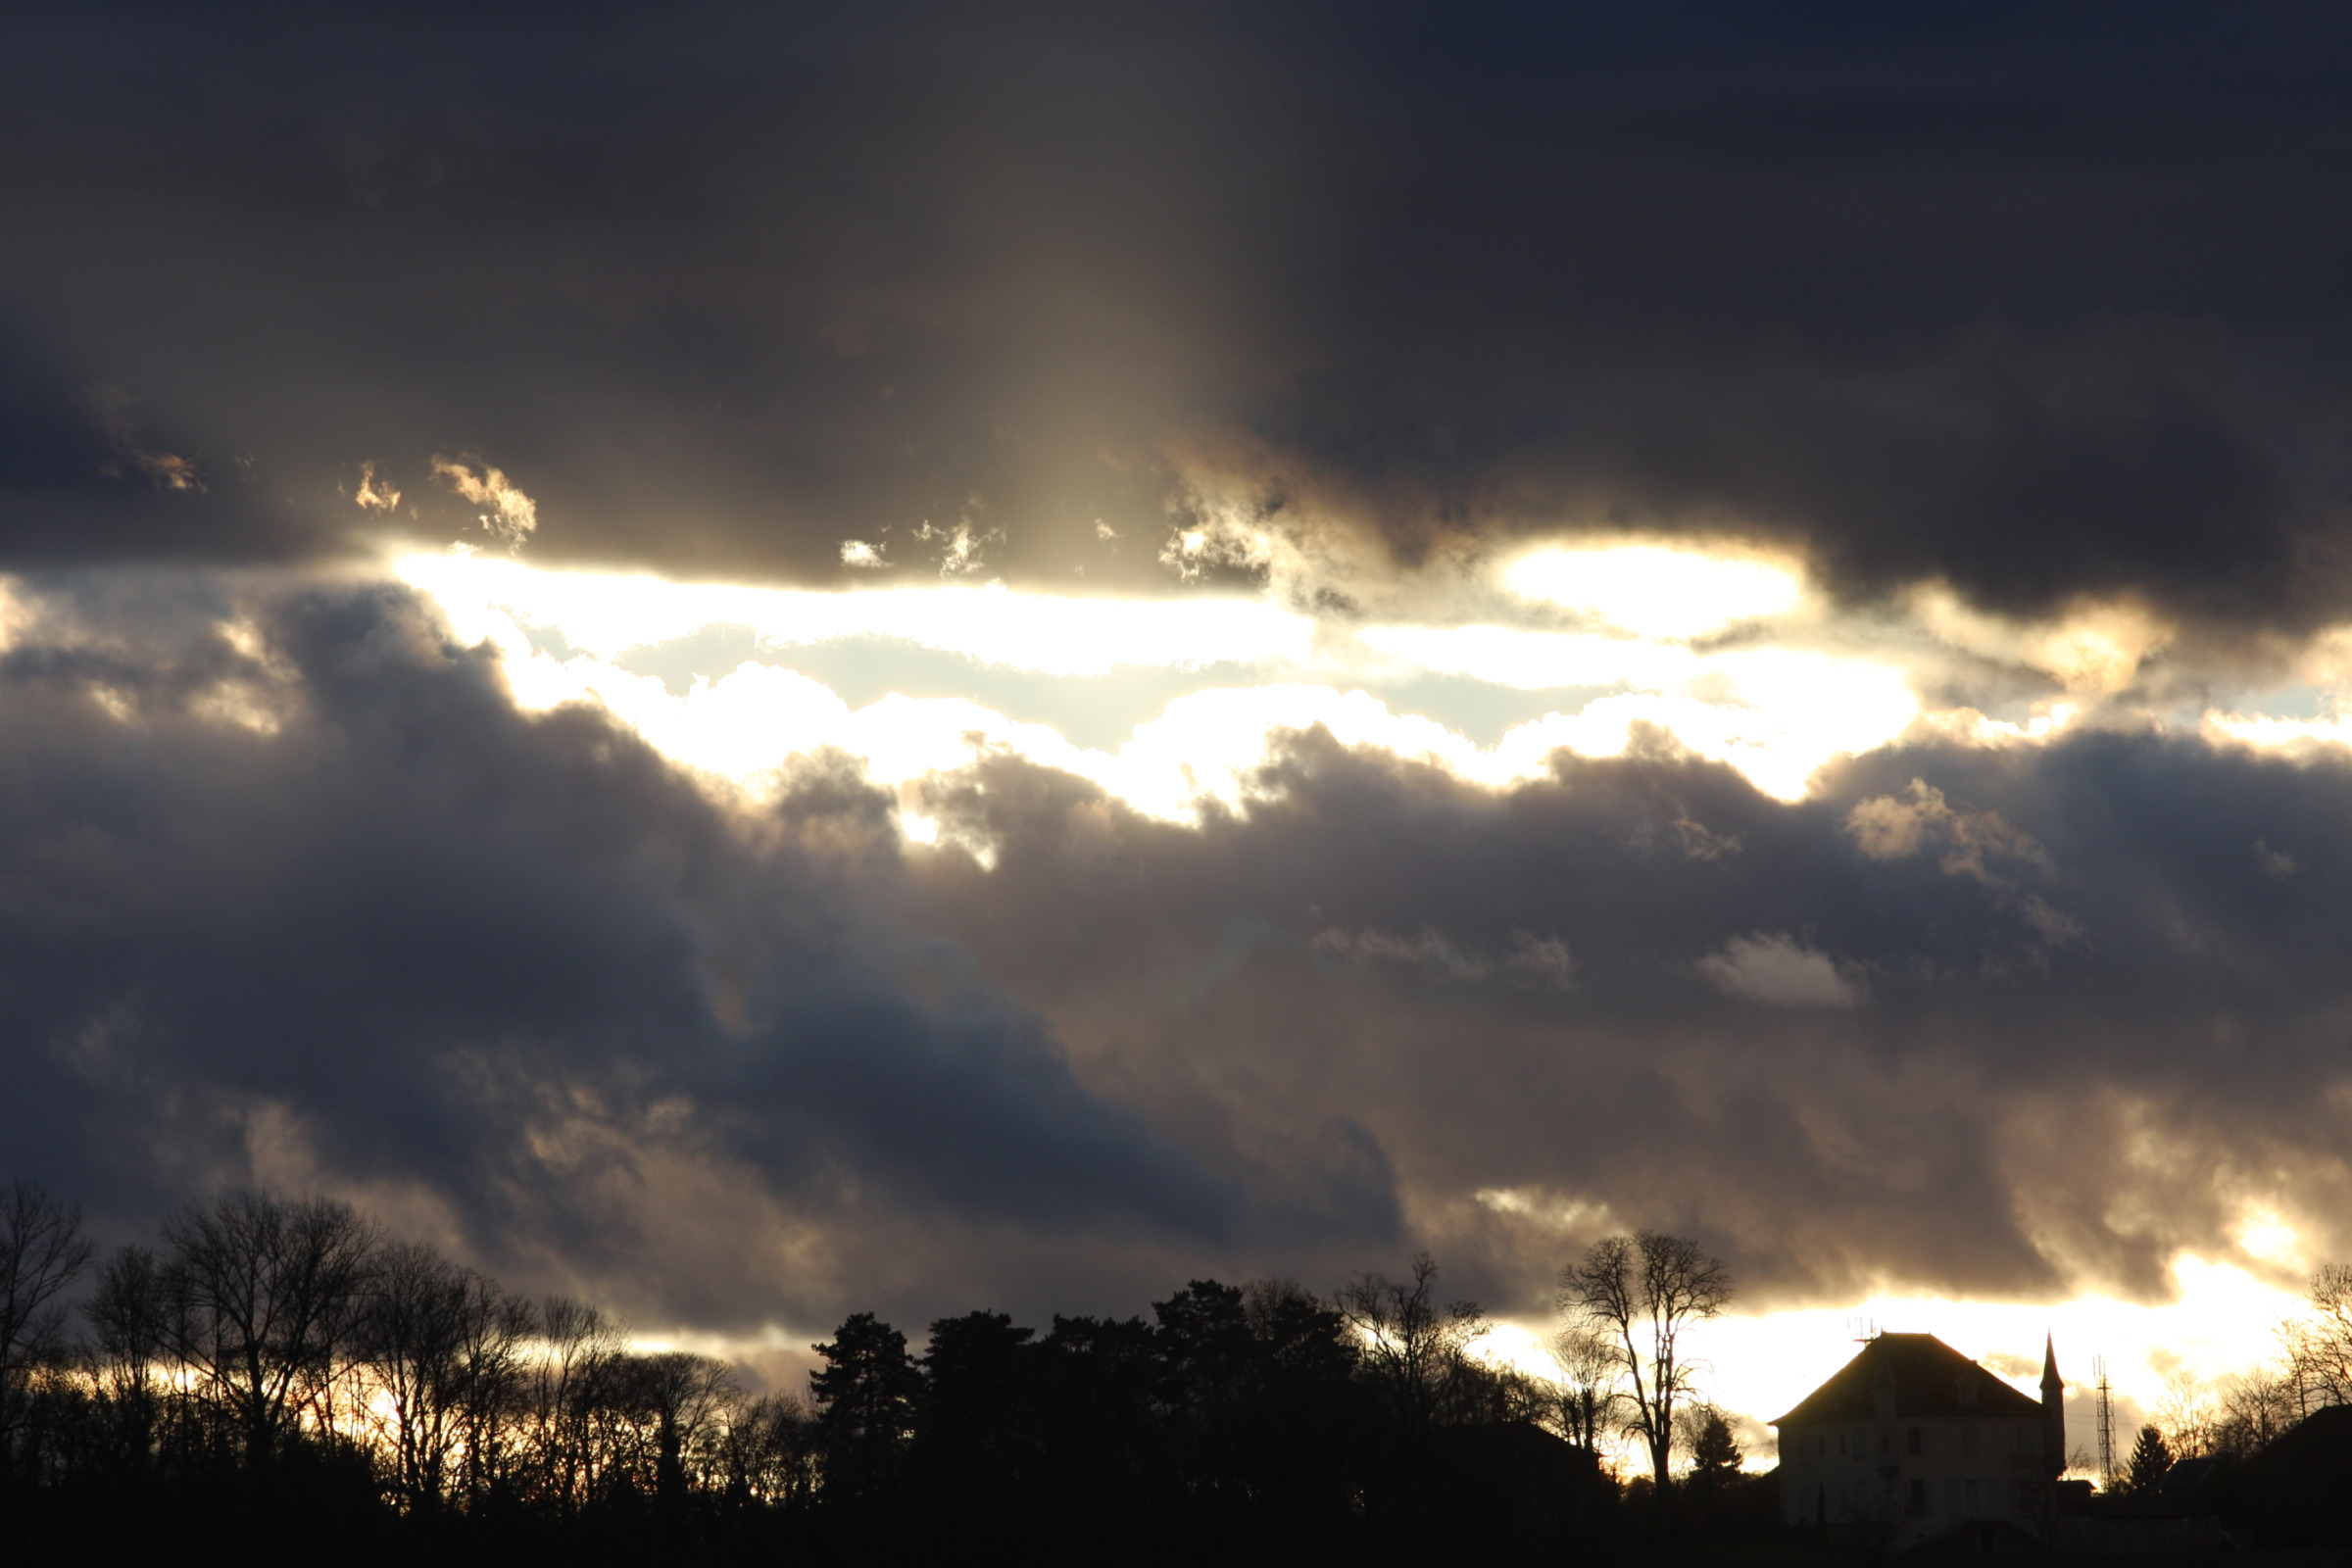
(2223, 1319)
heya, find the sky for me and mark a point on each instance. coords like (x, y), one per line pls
(759, 661)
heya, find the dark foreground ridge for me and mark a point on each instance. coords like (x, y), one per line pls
(279, 1382)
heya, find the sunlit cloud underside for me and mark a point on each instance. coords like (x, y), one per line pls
(1773, 714)
(1791, 694)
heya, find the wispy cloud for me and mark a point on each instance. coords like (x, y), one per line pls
(511, 517)
(374, 495)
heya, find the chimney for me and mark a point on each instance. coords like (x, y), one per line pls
(1882, 1388)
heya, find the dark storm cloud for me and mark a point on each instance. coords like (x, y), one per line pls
(416, 941)
(86, 471)
(2041, 298)
(2065, 1012)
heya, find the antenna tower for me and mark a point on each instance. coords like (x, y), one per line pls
(2098, 1366)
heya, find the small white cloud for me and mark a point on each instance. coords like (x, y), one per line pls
(961, 545)
(1774, 968)
(862, 555)
(1104, 531)
(2273, 862)
(1217, 543)
(1548, 1209)
(513, 516)
(1890, 827)
(372, 496)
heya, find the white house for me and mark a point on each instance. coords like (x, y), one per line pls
(1913, 1434)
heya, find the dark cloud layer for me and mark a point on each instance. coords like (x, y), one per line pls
(2091, 1002)
(2041, 298)
(2006, 1023)
(413, 939)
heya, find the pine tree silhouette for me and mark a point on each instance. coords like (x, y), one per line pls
(2150, 1459)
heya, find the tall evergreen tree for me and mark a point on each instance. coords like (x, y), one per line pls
(978, 1443)
(2150, 1459)
(866, 1395)
(1714, 1455)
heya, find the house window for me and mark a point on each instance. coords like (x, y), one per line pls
(1953, 1507)
(1968, 1442)
(1913, 1442)
(1919, 1499)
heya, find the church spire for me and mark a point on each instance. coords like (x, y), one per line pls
(2053, 1409)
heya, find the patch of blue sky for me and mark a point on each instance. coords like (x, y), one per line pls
(1479, 710)
(2297, 701)
(1100, 711)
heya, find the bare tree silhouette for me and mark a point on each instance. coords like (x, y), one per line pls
(125, 1314)
(1415, 1347)
(687, 1396)
(2256, 1405)
(261, 1297)
(2319, 1344)
(762, 1453)
(441, 1344)
(1640, 1292)
(1590, 1383)
(567, 1398)
(42, 1251)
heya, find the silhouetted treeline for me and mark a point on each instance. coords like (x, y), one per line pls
(274, 1370)
(277, 1360)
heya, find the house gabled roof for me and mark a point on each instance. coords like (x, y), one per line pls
(1928, 1378)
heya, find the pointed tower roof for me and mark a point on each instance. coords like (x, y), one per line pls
(2051, 1382)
